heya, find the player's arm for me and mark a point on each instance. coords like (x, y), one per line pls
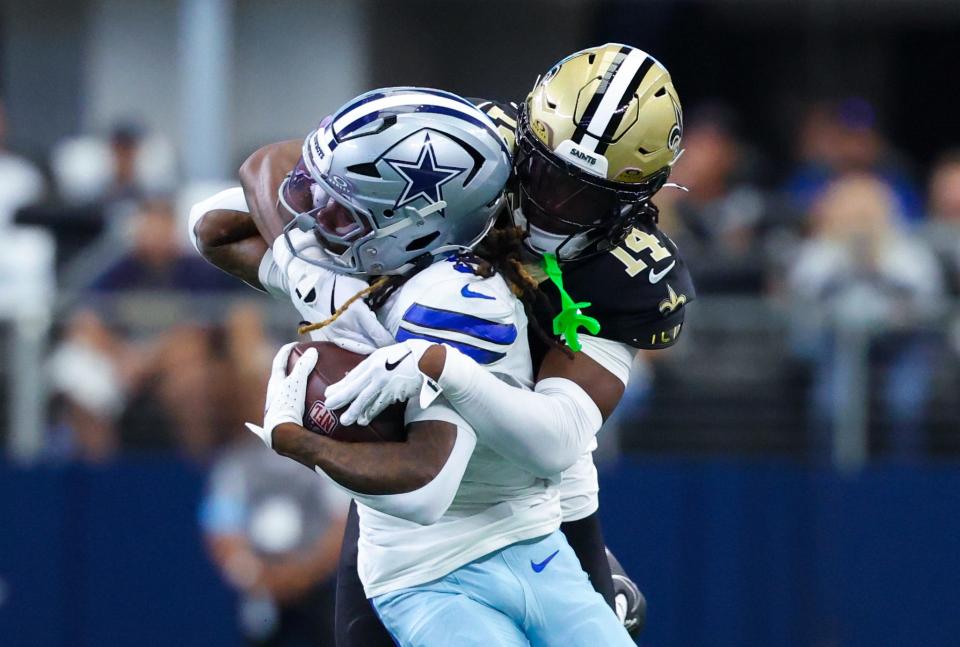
(230, 241)
(234, 229)
(415, 480)
(225, 234)
(544, 431)
(261, 175)
(372, 468)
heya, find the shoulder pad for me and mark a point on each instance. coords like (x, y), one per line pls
(638, 290)
(446, 305)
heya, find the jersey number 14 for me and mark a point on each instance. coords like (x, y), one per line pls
(637, 241)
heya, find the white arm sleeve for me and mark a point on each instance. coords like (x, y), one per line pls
(272, 278)
(614, 356)
(427, 504)
(231, 199)
(543, 431)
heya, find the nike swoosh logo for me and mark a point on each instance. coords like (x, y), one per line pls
(392, 365)
(539, 566)
(333, 292)
(656, 276)
(465, 291)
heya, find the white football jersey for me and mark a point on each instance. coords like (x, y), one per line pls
(578, 487)
(497, 504)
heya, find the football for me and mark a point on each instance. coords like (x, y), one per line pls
(332, 364)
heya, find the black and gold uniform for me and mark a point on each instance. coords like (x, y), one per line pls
(637, 290)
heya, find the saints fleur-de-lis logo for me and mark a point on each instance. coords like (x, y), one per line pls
(673, 301)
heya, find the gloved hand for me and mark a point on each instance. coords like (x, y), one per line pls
(285, 393)
(389, 375)
(631, 605)
(317, 293)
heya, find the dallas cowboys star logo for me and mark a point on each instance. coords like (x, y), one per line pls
(425, 178)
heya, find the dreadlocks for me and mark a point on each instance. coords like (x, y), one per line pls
(376, 286)
(503, 250)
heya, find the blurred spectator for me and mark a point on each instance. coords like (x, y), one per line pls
(861, 276)
(20, 181)
(157, 259)
(116, 171)
(717, 223)
(188, 389)
(942, 230)
(274, 528)
(838, 138)
(84, 374)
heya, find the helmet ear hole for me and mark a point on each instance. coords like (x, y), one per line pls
(368, 169)
(423, 241)
(662, 91)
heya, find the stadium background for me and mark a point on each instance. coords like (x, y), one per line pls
(788, 475)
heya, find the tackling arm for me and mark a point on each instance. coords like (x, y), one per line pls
(545, 430)
(230, 241)
(233, 229)
(261, 175)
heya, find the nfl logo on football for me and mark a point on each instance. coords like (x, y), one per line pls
(322, 419)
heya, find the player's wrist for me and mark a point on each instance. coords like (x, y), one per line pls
(433, 360)
(283, 433)
(457, 374)
(293, 440)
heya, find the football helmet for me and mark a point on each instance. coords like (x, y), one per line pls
(394, 178)
(596, 138)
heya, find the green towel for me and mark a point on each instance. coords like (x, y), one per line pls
(571, 317)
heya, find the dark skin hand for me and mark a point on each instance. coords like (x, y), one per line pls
(372, 468)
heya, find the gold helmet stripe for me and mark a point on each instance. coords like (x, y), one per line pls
(614, 94)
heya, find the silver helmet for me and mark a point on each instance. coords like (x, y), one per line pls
(394, 178)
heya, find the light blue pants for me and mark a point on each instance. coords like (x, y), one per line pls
(532, 593)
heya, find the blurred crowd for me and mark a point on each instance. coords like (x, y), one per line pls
(853, 241)
(152, 349)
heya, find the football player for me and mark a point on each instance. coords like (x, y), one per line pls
(457, 545)
(596, 140)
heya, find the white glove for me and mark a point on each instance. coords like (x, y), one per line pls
(285, 393)
(317, 293)
(389, 375)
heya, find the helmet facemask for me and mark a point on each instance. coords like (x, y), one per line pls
(568, 212)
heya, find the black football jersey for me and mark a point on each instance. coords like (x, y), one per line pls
(638, 290)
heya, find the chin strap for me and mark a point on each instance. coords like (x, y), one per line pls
(570, 318)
